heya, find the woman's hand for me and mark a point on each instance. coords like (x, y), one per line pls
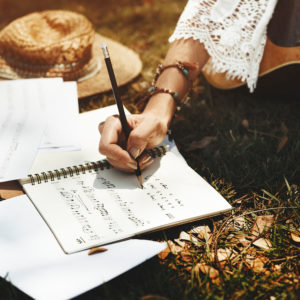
(150, 127)
(148, 130)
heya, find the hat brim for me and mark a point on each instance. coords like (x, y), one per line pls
(126, 63)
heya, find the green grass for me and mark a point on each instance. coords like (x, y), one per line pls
(243, 164)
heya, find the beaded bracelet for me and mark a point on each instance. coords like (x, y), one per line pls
(182, 67)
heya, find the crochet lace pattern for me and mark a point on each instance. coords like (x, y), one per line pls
(232, 31)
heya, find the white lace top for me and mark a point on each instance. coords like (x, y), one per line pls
(233, 33)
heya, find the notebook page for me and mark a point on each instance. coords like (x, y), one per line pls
(105, 206)
(22, 125)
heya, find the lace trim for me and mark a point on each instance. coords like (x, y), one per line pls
(232, 31)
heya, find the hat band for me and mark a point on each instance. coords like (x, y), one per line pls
(70, 71)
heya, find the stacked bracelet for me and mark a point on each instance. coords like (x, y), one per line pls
(183, 68)
(153, 90)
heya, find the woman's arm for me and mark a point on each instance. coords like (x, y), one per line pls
(150, 127)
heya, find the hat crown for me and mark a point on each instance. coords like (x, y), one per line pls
(51, 37)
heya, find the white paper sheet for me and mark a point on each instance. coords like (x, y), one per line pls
(22, 125)
(34, 262)
(60, 102)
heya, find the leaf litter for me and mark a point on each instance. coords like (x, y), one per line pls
(243, 241)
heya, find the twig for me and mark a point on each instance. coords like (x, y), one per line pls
(285, 258)
(263, 133)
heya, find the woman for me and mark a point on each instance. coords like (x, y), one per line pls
(230, 32)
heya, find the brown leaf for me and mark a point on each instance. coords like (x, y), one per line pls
(224, 254)
(206, 269)
(262, 223)
(258, 265)
(202, 144)
(186, 256)
(201, 231)
(282, 143)
(239, 223)
(245, 123)
(153, 297)
(163, 254)
(174, 248)
(243, 239)
(96, 250)
(184, 236)
(263, 243)
(295, 235)
(180, 243)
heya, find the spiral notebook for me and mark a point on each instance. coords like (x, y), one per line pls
(88, 203)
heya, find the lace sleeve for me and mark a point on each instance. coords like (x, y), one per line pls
(233, 33)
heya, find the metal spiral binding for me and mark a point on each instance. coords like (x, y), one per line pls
(66, 172)
(81, 169)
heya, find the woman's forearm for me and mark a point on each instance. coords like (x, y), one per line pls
(187, 51)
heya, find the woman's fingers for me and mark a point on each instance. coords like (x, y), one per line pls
(111, 138)
(146, 134)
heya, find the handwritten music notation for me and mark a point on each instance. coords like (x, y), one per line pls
(102, 207)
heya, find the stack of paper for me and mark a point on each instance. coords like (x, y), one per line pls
(33, 261)
(35, 114)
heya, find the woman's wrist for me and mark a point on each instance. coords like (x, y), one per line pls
(162, 106)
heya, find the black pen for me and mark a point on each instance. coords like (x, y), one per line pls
(125, 126)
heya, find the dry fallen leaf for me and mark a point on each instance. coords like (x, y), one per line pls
(186, 256)
(224, 254)
(256, 264)
(201, 231)
(175, 249)
(242, 239)
(282, 143)
(202, 144)
(263, 243)
(245, 123)
(261, 224)
(239, 223)
(296, 235)
(206, 269)
(180, 243)
(96, 250)
(163, 254)
(184, 236)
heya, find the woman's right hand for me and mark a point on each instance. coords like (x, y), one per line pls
(148, 130)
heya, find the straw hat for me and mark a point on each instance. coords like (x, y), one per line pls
(57, 43)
